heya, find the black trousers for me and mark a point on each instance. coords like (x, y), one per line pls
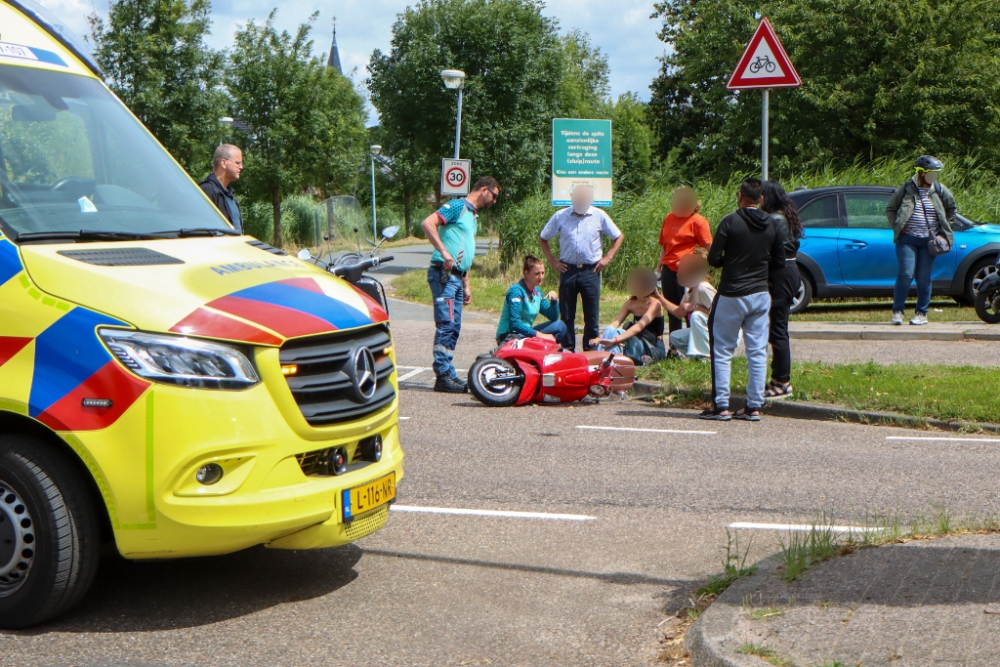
(783, 284)
(580, 282)
(672, 292)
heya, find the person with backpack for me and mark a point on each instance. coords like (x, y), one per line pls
(783, 284)
(746, 246)
(921, 213)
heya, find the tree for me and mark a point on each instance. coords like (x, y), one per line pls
(155, 59)
(512, 58)
(305, 120)
(880, 78)
(632, 142)
(584, 87)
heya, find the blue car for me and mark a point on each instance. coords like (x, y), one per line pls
(848, 250)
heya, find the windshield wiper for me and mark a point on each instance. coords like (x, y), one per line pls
(83, 235)
(204, 231)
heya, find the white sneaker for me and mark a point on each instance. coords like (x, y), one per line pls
(897, 317)
(919, 319)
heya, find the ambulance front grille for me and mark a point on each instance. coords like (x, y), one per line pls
(323, 383)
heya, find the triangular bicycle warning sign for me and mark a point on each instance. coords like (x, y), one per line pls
(764, 64)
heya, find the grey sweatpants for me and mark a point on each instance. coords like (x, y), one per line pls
(730, 315)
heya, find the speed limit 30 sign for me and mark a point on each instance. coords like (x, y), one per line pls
(455, 176)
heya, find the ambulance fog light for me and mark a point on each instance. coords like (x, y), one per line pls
(337, 463)
(371, 449)
(209, 474)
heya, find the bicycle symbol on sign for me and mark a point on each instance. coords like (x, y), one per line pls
(762, 63)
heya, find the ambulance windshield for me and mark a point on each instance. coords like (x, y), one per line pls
(73, 159)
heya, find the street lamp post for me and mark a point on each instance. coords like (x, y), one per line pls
(373, 151)
(454, 79)
(226, 122)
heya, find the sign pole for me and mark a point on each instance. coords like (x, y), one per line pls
(458, 123)
(764, 138)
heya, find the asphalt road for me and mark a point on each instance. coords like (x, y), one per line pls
(645, 514)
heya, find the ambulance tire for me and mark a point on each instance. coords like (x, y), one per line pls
(51, 543)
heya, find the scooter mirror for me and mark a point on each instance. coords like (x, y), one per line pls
(304, 254)
(389, 232)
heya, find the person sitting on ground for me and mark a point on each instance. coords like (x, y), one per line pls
(641, 339)
(695, 305)
(524, 302)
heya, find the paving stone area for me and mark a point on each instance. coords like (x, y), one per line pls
(927, 602)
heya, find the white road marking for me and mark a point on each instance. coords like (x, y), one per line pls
(798, 527)
(941, 439)
(643, 430)
(403, 419)
(416, 371)
(494, 513)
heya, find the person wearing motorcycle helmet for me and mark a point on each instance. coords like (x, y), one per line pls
(921, 213)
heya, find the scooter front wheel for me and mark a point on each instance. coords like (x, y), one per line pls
(495, 382)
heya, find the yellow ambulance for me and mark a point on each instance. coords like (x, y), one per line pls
(165, 384)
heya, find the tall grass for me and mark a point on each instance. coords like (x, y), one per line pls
(639, 217)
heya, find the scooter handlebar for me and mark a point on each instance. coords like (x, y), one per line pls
(353, 272)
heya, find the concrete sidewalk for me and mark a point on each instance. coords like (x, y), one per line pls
(887, 331)
(925, 602)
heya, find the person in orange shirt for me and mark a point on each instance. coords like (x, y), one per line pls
(683, 230)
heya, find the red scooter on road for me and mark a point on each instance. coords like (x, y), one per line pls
(537, 370)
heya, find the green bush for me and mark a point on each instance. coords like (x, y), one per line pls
(300, 215)
(640, 217)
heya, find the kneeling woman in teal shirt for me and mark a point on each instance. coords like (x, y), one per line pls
(523, 303)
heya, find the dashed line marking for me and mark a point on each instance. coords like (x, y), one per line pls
(492, 513)
(644, 430)
(413, 373)
(940, 439)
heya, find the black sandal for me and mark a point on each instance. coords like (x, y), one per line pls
(778, 390)
(747, 415)
(716, 414)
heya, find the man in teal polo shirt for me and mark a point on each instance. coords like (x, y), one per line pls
(452, 232)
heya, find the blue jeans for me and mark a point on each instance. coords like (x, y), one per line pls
(556, 328)
(730, 314)
(634, 348)
(915, 262)
(448, 294)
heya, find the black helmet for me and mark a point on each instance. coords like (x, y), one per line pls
(928, 163)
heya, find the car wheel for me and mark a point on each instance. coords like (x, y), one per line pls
(803, 297)
(978, 272)
(49, 533)
(495, 382)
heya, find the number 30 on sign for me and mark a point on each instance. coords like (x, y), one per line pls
(455, 176)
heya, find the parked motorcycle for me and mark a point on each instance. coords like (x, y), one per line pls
(988, 297)
(536, 370)
(352, 267)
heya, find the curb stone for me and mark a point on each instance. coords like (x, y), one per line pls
(818, 412)
(710, 639)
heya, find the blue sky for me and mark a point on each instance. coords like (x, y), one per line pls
(622, 29)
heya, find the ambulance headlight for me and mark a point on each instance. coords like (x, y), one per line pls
(183, 361)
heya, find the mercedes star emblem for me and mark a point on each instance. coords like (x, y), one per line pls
(363, 373)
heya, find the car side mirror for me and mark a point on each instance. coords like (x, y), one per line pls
(389, 232)
(304, 255)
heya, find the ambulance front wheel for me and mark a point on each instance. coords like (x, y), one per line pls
(49, 533)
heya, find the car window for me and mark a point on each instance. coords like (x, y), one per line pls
(821, 212)
(867, 211)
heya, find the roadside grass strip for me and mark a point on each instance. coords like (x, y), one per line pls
(492, 513)
(930, 391)
(940, 439)
(644, 430)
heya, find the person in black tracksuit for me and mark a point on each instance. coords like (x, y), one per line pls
(783, 285)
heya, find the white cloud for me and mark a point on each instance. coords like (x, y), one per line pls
(623, 31)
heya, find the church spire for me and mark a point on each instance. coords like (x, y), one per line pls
(334, 60)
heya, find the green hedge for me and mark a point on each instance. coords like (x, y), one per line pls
(976, 190)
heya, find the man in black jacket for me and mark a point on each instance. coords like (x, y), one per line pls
(746, 245)
(227, 163)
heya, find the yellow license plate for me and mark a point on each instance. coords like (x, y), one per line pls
(368, 496)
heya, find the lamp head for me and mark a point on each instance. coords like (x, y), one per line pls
(454, 79)
(375, 149)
